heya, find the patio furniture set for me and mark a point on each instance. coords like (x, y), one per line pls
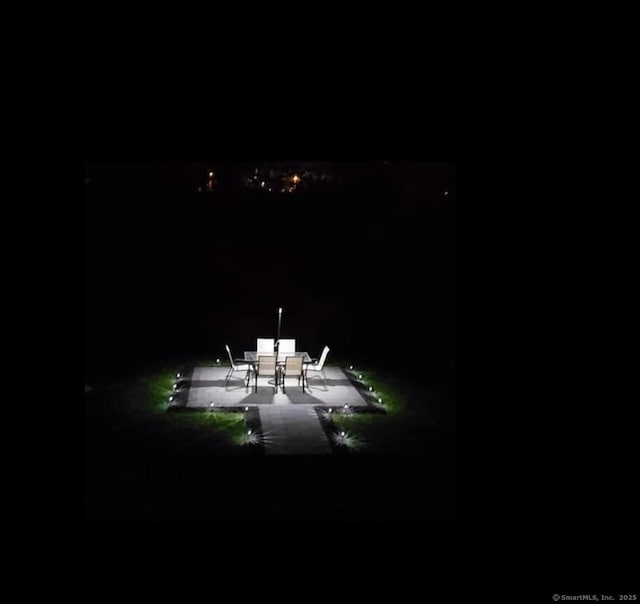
(279, 360)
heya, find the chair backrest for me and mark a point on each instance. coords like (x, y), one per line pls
(230, 357)
(265, 345)
(286, 346)
(323, 357)
(266, 364)
(293, 366)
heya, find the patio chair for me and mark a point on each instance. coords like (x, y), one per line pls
(316, 366)
(237, 367)
(265, 346)
(292, 368)
(267, 366)
(285, 346)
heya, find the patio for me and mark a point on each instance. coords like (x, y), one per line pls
(207, 386)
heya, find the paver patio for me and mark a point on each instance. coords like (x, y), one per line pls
(208, 386)
(290, 425)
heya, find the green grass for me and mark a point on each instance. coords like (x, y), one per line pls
(139, 406)
(410, 421)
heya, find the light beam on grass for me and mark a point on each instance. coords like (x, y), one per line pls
(350, 441)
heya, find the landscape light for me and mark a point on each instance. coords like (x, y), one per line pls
(380, 400)
(330, 409)
(170, 398)
(178, 374)
(370, 388)
(174, 386)
(346, 406)
(249, 432)
(446, 192)
(210, 174)
(211, 404)
(350, 366)
(246, 408)
(360, 376)
(341, 433)
(217, 360)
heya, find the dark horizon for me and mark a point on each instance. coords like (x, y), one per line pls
(367, 266)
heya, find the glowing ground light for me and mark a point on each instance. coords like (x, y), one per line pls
(174, 386)
(360, 376)
(380, 400)
(446, 192)
(249, 432)
(217, 360)
(210, 174)
(346, 406)
(341, 433)
(170, 398)
(330, 409)
(246, 408)
(178, 374)
(350, 367)
(211, 404)
(370, 388)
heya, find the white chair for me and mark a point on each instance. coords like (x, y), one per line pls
(286, 346)
(316, 366)
(292, 368)
(267, 366)
(237, 367)
(265, 346)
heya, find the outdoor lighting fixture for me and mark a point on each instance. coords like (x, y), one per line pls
(174, 386)
(346, 406)
(350, 367)
(360, 376)
(170, 398)
(295, 179)
(341, 433)
(380, 401)
(370, 388)
(279, 321)
(210, 174)
(211, 404)
(246, 408)
(446, 192)
(178, 374)
(217, 360)
(249, 432)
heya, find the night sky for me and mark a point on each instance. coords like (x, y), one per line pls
(367, 266)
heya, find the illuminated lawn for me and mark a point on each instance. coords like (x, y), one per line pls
(136, 408)
(409, 424)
